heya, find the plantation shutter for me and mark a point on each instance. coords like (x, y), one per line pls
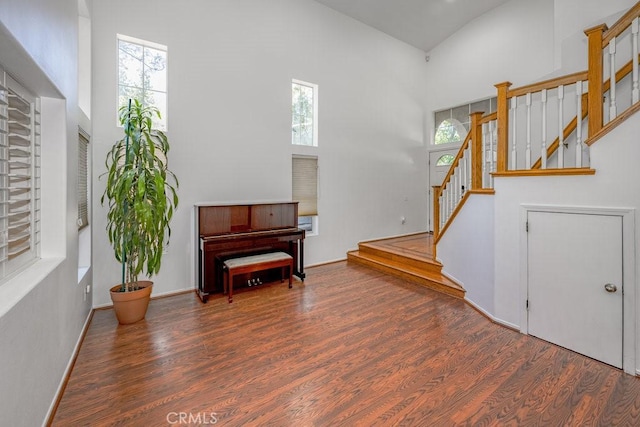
(83, 168)
(19, 176)
(305, 185)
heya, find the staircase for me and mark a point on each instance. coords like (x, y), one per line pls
(410, 258)
(542, 129)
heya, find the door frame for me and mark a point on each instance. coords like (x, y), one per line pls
(629, 298)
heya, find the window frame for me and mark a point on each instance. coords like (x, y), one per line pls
(314, 88)
(145, 44)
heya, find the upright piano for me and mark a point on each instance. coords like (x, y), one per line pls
(230, 230)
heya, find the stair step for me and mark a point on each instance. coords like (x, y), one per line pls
(429, 279)
(400, 257)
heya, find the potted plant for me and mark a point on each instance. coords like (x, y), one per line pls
(141, 195)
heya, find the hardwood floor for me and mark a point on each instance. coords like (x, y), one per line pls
(351, 346)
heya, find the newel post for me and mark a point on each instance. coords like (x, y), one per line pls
(436, 210)
(476, 151)
(595, 76)
(502, 111)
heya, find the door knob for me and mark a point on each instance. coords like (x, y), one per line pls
(610, 288)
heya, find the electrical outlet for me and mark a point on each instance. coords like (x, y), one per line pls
(403, 220)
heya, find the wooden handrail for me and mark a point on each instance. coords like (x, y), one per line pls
(489, 118)
(456, 161)
(548, 84)
(620, 25)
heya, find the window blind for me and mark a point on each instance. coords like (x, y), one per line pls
(305, 185)
(19, 176)
(83, 170)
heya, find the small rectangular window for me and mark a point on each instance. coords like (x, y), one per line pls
(304, 113)
(142, 75)
(305, 191)
(82, 188)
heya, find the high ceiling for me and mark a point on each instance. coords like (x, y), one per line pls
(420, 23)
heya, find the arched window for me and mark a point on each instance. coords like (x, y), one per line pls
(450, 131)
(445, 160)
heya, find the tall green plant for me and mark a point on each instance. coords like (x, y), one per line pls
(141, 193)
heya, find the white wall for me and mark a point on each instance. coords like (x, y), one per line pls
(572, 17)
(230, 70)
(513, 42)
(42, 311)
(471, 264)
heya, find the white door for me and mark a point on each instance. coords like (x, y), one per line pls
(575, 282)
(439, 164)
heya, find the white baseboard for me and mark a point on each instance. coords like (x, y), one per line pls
(153, 296)
(67, 372)
(492, 317)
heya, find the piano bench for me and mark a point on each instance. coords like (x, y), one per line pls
(253, 263)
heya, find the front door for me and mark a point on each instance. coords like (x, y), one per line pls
(575, 282)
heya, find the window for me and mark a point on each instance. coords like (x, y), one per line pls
(452, 125)
(445, 160)
(305, 191)
(19, 176)
(450, 131)
(304, 113)
(83, 168)
(142, 75)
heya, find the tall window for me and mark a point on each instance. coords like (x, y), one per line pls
(142, 75)
(83, 168)
(305, 191)
(304, 113)
(19, 176)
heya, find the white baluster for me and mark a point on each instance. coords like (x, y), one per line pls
(485, 141)
(514, 122)
(463, 174)
(469, 169)
(635, 93)
(493, 142)
(442, 205)
(543, 154)
(612, 89)
(560, 126)
(456, 188)
(527, 154)
(579, 124)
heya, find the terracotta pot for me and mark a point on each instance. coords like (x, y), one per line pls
(131, 307)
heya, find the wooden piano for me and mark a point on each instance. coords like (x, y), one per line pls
(230, 230)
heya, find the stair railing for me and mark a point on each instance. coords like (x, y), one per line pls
(613, 72)
(470, 171)
(531, 122)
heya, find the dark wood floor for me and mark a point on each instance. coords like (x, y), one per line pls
(350, 346)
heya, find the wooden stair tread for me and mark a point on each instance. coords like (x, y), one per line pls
(430, 279)
(428, 269)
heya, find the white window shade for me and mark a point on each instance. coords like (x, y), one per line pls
(19, 176)
(83, 167)
(305, 185)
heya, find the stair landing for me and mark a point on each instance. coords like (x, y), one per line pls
(409, 257)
